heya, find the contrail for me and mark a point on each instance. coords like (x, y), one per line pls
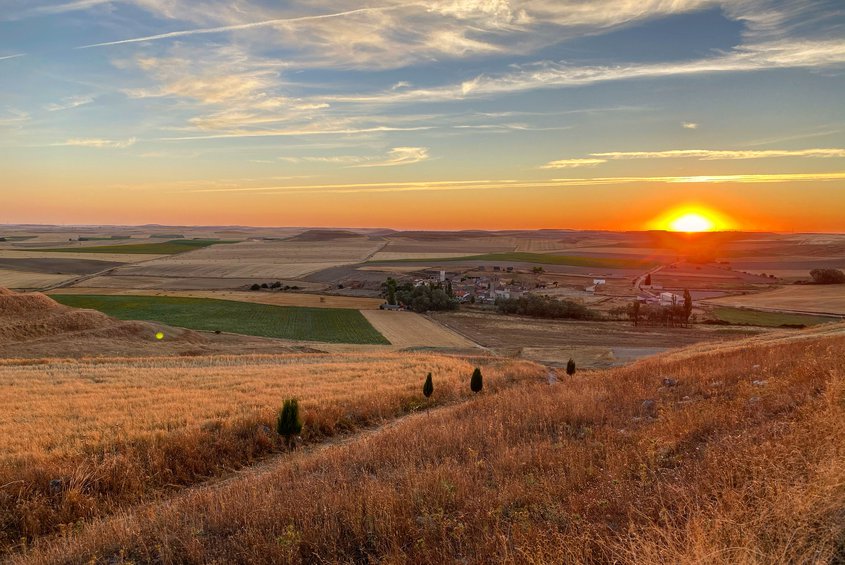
(238, 27)
(13, 56)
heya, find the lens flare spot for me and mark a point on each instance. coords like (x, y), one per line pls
(159, 335)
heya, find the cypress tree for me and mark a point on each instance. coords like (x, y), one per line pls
(476, 383)
(428, 387)
(570, 367)
(687, 305)
(289, 423)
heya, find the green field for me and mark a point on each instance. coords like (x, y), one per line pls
(768, 319)
(333, 325)
(540, 258)
(162, 248)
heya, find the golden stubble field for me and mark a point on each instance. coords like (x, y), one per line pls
(822, 299)
(739, 459)
(84, 437)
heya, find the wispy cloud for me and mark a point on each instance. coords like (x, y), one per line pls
(100, 143)
(3, 58)
(295, 132)
(511, 184)
(713, 155)
(540, 75)
(700, 154)
(12, 118)
(239, 27)
(689, 125)
(401, 156)
(573, 163)
(68, 103)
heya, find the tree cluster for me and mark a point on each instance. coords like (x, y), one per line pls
(273, 286)
(827, 276)
(421, 298)
(544, 307)
(671, 316)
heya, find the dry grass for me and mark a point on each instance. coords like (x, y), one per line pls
(117, 431)
(717, 470)
(823, 299)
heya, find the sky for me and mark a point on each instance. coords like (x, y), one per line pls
(436, 114)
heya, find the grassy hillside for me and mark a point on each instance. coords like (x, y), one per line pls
(83, 438)
(333, 325)
(163, 248)
(540, 259)
(740, 458)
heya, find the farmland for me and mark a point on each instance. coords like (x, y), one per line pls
(771, 319)
(287, 322)
(157, 248)
(821, 299)
(610, 467)
(591, 344)
(408, 329)
(256, 297)
(546, 259)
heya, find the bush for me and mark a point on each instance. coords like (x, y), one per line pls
(570, 367)
(544, 307)
(476, 383)
(289, 423)
(827, 276)
(428, 387)
(255, 286)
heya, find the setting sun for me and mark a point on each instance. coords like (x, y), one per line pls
(692, 218)
(692, 222)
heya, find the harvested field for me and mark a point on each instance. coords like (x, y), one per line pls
(549, 259)
(172, 247)
(272, 298)
(596, 344)
(770, 319)
(399, 255)
(27, 280)
(262, 260)
(142, 282)
(822, 299)
(56, 266)
(333, 325)
(437, 243)
(77, 255)
(409, 329)
(741, 460)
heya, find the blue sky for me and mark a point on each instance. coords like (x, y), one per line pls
(269, 110)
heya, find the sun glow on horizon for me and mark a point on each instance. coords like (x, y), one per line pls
(692, 222)
(691, 219)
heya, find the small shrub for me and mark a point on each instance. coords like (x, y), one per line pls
(255, 286)
(289, 422)
(428, 387)
(476, 383)
(570, 367)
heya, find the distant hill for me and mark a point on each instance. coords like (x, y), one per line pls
(325, 235)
